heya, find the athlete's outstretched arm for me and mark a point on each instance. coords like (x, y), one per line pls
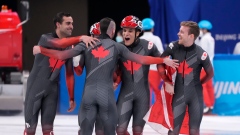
(70, 84)
(64, 42)
(61, 55)
(49, 41)
(146, 60)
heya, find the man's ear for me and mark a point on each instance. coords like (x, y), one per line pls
(113, 32)
(58, 24)
(192, 36)
(138, 33)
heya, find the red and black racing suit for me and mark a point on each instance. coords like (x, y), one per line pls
(134, 96)
(42, 89)
(98, 97)
(188, 86)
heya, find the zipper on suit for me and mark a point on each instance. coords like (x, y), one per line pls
(132, 66)
(185, 58)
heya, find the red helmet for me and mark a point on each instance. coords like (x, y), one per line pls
(95, 29)
(131, 22)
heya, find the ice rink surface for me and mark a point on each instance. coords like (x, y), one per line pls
(68, 125)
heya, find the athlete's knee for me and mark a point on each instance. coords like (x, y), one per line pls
(99, 132)
(194, 132)
(121, 131)
(137, 130)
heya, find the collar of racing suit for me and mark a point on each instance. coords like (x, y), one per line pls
(55, 34)
(104, 36)
(190, 47)
(135, 43)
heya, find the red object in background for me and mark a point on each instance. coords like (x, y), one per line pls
(208, 91)
(11, 40)
(160, 116)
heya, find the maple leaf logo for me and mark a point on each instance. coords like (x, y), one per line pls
(184, 68)
(131, 67)
(100, 53)
(55, 63)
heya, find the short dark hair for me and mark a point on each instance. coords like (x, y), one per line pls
(59, 18)
(104, 24)
(193, 28)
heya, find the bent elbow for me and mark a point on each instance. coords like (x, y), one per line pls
(212, 75)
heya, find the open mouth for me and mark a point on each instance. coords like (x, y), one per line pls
(127, 39)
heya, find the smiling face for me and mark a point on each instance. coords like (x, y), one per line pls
(66, 27)
(185, 38)
(188, 33)
(129, 35)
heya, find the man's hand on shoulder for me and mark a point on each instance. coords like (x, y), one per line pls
(89, 40)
